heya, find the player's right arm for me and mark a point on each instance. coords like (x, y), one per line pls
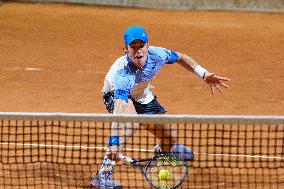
(122, 83)
(115, 139)
(119, 106)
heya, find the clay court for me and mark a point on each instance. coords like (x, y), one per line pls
(54, 57)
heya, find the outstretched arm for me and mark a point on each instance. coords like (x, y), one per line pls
(214, 81)
(120, 106)
(123, 107)
(121, 131)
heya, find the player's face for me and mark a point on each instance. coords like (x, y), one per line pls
(137, 52)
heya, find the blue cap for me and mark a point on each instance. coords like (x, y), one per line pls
(135, 33)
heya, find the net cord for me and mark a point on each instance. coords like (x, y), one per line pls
(158, 119)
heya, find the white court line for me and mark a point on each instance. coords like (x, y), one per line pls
(33, 69)
(130, 149)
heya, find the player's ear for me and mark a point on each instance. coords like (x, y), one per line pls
(125, 49)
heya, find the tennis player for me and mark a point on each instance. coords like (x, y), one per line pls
(127, 89)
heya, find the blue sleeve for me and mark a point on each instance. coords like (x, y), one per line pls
(121, 94)
(166, 56)
(123, 83)
(173, 57)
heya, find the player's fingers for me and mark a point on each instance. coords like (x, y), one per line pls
(224, 78)
(224, 85)
(219, 89)
(212, 90)
(113, 151)
(219, 78)
(112, 155)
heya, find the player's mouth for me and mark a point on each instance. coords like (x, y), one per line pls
(139, 57)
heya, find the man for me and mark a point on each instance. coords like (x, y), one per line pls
(127, 89)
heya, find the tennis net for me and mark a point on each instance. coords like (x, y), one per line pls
(60, 150)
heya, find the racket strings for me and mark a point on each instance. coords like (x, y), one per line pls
(175, 168)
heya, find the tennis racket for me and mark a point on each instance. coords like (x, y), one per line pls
(155, 168)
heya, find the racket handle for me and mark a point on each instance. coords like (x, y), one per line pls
(125, 158)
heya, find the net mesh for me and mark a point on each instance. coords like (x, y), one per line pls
(47, 150)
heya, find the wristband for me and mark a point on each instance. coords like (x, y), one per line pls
(198, 70)
(113, 140)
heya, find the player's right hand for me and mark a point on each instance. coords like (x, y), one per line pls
(114, 152)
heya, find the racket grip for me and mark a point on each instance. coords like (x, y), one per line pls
(125, 158)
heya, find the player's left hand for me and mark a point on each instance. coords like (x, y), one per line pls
(215, 82)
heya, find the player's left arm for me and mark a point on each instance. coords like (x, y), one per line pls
(213, 80)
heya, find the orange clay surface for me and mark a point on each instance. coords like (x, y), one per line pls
(54, 58)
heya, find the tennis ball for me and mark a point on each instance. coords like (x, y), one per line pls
(164, 174)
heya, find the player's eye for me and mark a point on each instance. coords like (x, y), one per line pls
(138, 46)
(141, 45)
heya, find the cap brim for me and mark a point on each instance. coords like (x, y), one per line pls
(134, 39)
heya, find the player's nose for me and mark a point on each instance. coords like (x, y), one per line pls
(139, 53)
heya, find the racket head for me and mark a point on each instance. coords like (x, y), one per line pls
(176, 168)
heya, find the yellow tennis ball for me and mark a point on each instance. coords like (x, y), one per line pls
(164, 174)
